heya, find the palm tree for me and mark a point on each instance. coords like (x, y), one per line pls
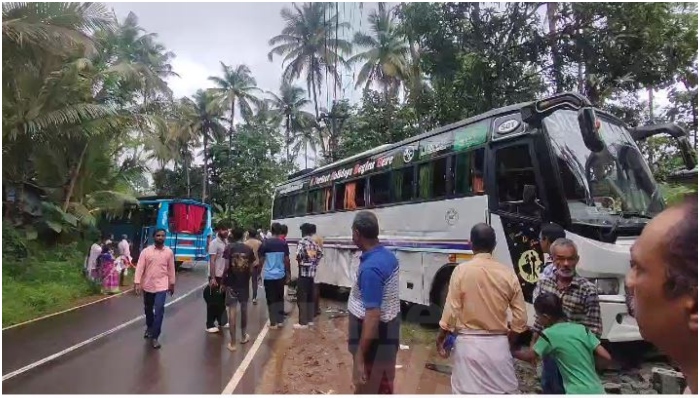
(386, 54)
(309, 43)
(236, 84)
(289, 106)
(203, 112)
(306, 138)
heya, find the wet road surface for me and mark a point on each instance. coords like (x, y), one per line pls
(191, 361)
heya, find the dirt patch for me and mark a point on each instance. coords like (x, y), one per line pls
(316, 361)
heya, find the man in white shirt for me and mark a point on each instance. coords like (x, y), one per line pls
(213, 295)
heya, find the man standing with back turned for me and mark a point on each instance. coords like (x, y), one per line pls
(476, 310)
(374, 322)
(155, 276)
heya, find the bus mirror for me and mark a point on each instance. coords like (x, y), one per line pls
(675, 131)
(589, 125)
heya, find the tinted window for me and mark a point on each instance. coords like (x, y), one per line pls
(432, 179)
(380, 189)
(403, 184)
(299, 207)
(350, 195)
(515, 178)
(468, 172)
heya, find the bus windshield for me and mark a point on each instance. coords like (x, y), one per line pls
(606, 186)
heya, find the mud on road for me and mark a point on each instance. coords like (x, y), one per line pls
(316, 361)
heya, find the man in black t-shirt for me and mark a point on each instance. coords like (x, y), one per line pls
(240, 260)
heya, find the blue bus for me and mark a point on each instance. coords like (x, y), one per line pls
(187, 224)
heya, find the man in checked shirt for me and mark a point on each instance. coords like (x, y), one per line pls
(579, 300)
(309, 254)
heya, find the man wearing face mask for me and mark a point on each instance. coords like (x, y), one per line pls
(579, 302)
(663, 286)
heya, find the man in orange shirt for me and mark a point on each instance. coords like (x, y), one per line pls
(476, 311)
(155, 277)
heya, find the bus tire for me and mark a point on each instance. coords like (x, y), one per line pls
(178, 265)
(438, 292)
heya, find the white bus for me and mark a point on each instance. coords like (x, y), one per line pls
(553, 160)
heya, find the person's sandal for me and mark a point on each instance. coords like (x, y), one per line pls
(231, 347)
(245, 339)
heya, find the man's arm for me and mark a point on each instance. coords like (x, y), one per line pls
(372, 289)
(593, 320)
(287, 265)
(213, 255)
(518, 323)
(140, 268)
(171, 270)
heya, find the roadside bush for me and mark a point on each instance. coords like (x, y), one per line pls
(38, 279)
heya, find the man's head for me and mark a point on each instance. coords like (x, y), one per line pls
(662, 282)
(365, 230)
(307, 229)
(565, 257)
(483, 238)
(285, 230)
(237, 234)
(125, 237)
(222, 229)
(276, 228)
(549, 309)
(159, 237)
(252, 233)
(548, 234)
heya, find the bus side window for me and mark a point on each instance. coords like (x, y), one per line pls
(468, 170)
(432, 182)
(403, 184)
(327, 199)
(315, 201)
(300, 203)
(380, 189)
(354, 196)
(514, 171)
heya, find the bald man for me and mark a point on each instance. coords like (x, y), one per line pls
(662, 286)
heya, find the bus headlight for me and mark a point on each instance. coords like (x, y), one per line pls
(607, 286)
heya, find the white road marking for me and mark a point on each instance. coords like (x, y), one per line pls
(66, 311)
(88, 341)
(240, 371)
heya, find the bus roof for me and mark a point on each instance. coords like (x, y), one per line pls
(166, 199)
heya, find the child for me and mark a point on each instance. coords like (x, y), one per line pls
(572, 345)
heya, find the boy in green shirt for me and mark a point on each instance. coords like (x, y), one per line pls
(572, 345)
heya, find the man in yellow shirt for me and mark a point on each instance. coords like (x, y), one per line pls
(476, 311)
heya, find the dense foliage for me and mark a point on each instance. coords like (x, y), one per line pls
(87, 107)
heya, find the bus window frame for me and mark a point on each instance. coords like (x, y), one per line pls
(448, 158)
(321, 188)
(388, 173)
(414, 185)
(453, 177)
(343, 182)
(492, 186)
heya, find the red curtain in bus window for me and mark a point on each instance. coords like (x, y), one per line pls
(196, 215)
(179, 217)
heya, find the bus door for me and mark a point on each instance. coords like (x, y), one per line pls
(516, 197)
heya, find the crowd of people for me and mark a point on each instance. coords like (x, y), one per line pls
(662, 295)
(484, 313)
(108, 263)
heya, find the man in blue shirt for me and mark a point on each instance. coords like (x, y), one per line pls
(274, 256)
(374, 311)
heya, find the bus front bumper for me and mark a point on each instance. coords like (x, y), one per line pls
(618, 324)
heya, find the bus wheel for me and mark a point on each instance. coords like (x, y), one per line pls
(178, 266)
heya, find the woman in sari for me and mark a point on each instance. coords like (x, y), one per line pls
(108, 270)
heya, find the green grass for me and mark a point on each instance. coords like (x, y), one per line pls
(50, 279)
(413, 333)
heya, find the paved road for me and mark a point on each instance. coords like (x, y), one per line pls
(190, 361)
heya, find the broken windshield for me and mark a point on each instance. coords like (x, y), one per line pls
(601, 187)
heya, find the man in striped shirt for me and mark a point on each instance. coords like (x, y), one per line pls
(374, 311)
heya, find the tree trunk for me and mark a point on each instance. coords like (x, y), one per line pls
(74, 178)
(320, 132)
(306, 154)
(286, 136)
(186, 164)
(230, 132)
(556, 58)
(205, 172)
(650, 93)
